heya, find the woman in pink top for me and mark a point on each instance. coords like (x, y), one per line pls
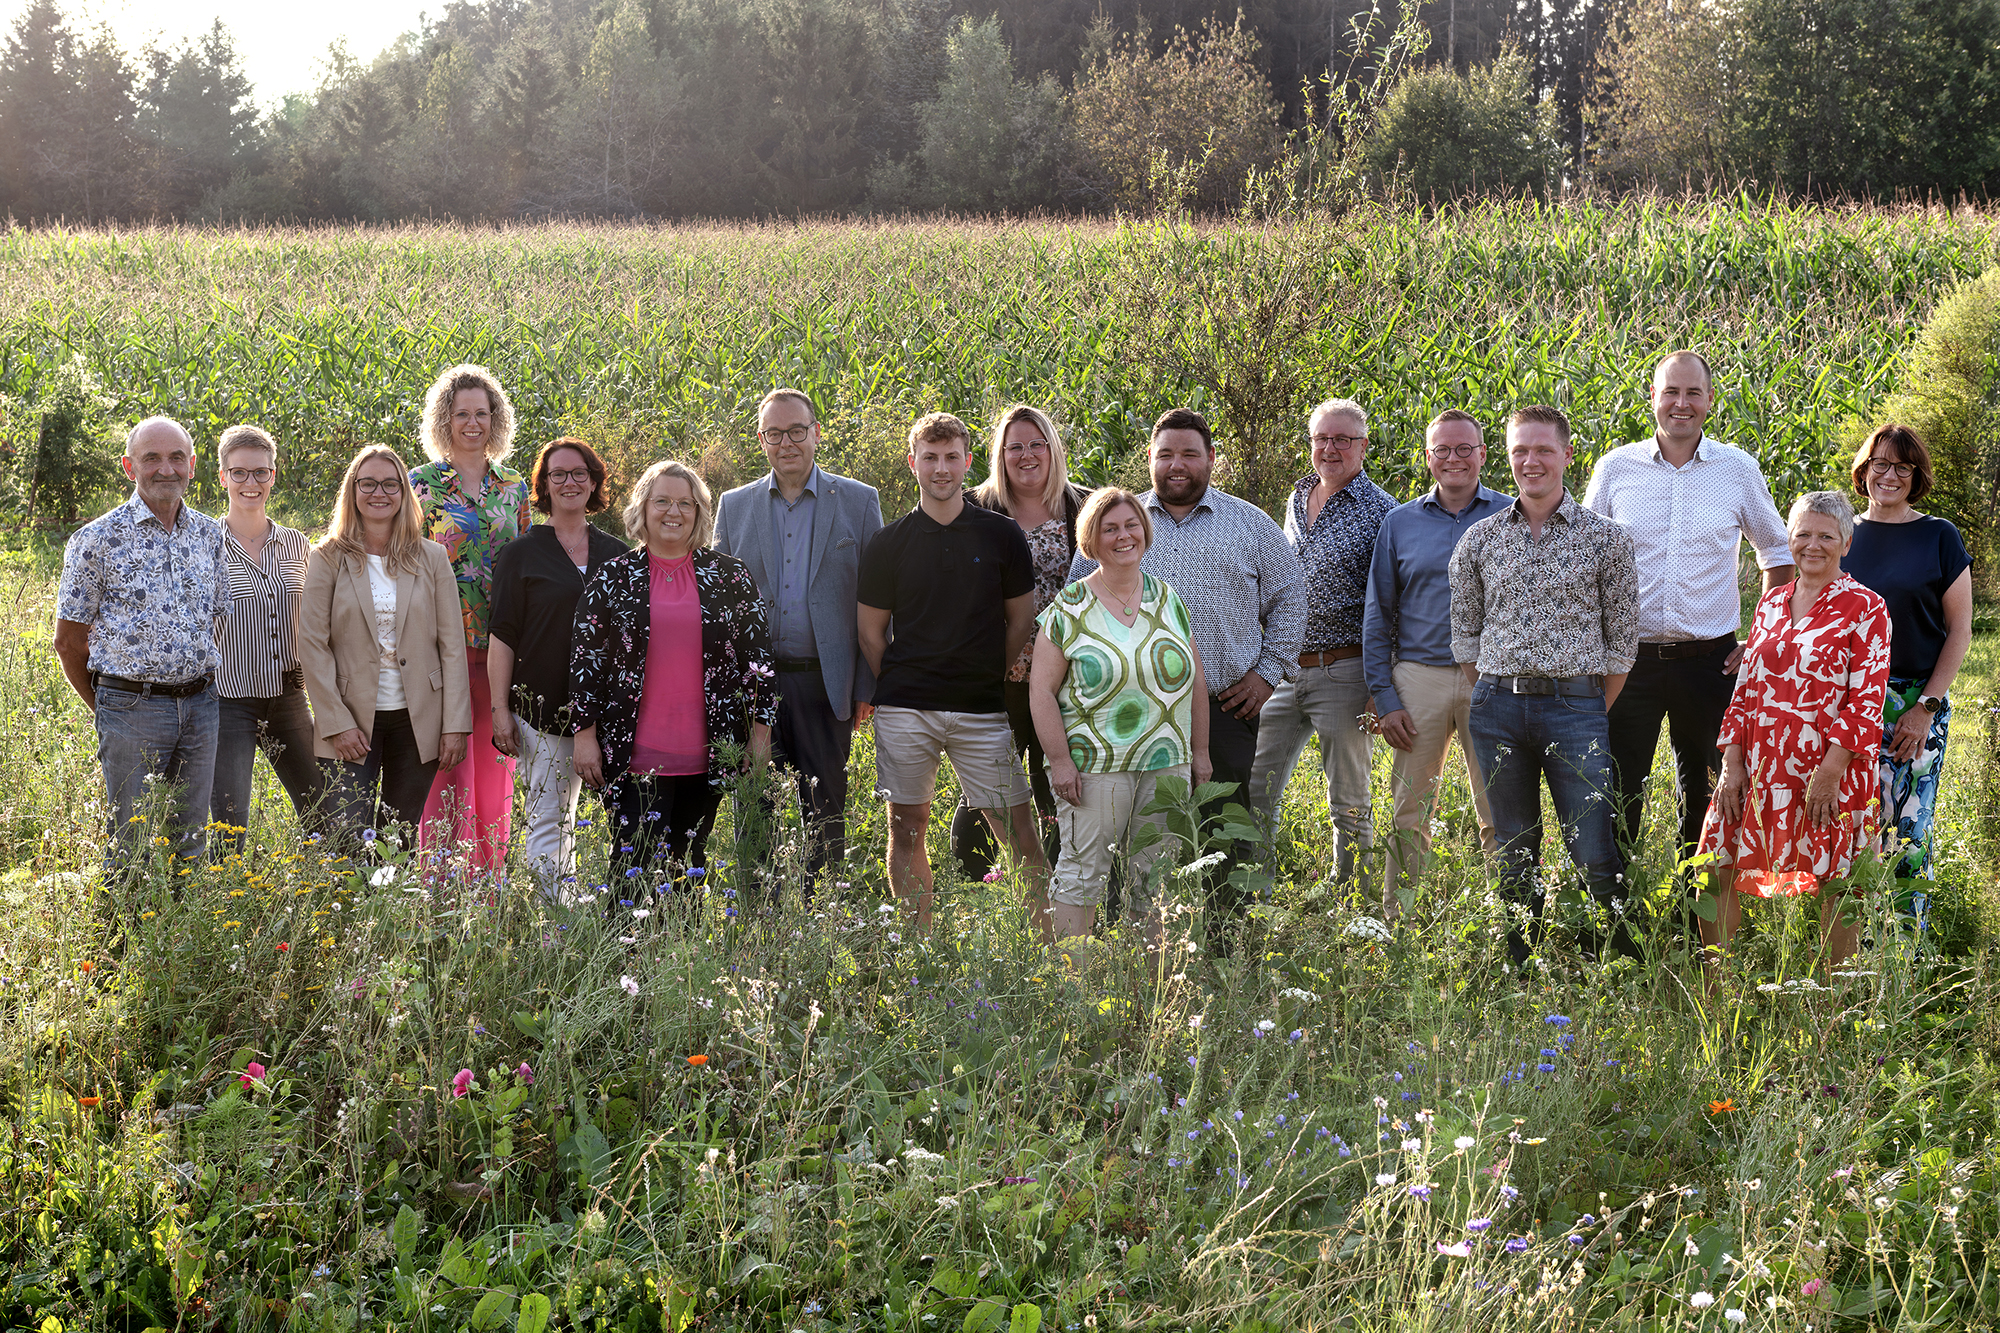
(670, 660)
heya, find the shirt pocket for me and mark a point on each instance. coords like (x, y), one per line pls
(437, 679)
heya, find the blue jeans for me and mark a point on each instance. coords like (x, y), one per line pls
(1520, 740)
(145, 737)
(282, 727)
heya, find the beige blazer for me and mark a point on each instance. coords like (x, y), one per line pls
(338, 650)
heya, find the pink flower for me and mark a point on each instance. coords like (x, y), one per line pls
(992, 876)
(526, 1074)
(461, 1083)
(1811, 1288)
(251, 1075)
(1462, 1250)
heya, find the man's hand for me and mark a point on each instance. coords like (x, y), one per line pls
(1399, 729)
(351, 745)
(1245, 699)
(1911, 729)
(862, 712)
(451, 750)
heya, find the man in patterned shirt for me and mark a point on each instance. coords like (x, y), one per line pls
(143, 589)
(1545, 621)
(1332, 520)
(1689, 502)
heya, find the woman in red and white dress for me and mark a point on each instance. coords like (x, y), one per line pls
(1802, 738)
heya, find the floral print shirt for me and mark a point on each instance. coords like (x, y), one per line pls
(1049, 545)
(1335, 550)
(608, 657)
(473, 531)
(1562, 604)
(152, 597)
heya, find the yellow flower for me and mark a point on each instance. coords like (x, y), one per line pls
(231, 925)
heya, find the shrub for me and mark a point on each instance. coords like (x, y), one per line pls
(68, 463)
(1448, 136)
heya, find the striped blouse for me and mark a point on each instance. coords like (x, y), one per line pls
(258, 641)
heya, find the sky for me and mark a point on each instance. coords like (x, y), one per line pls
(281, 43)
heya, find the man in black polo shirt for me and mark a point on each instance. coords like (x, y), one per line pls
(956, 585)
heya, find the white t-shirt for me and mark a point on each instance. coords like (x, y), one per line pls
(389, 680)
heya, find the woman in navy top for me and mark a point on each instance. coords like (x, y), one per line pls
(1918, 564)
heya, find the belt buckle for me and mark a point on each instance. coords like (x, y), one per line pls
(1514, 685)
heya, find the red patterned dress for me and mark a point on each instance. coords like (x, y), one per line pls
(1804, 686)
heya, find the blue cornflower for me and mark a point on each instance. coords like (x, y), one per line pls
(1556, 1020)
(1298, 1034)
(1478, 1224)
(1281, 1121)
(584, 823)
(1612, 1064)
(652, 814)
(1516, 1244)
(1576, 1240)
(696, 872)
(1420, 1191)
(1193, 1134)
(1549, 1054)
(1546, 1068)
(1190, 1062)
(1239, 1117)
(1586, 1221)
(624, 902)
(631, 871)
(368, 835)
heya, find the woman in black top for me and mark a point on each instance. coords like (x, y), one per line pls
(1918, 564)
(537, 579)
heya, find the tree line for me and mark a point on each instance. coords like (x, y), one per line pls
(734, 108)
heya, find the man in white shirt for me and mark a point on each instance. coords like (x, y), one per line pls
(1690, 503)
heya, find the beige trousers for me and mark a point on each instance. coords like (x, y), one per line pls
(1439, 700)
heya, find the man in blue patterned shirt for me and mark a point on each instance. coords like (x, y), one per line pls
(1332, 519)
(143, 588)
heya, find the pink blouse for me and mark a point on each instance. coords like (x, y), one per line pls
(672, 738)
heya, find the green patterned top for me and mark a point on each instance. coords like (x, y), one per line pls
(1127, 700)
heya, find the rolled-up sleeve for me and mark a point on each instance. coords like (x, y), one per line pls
(1760, 522)
(1283, 613)
(1618, 588)
(1468, 599)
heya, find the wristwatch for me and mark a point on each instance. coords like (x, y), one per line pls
(1933, 703)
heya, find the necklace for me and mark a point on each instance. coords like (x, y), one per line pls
(576, 556)
(1104, 585)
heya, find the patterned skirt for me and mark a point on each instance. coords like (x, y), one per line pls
(1909, 791)
(1776, 851)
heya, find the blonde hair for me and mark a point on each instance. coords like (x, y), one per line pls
(406, 531)
(1101, 502)
(997, 492)
(437, 412)
(642, 491)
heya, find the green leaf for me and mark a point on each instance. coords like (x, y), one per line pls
(404, 1232)
(534, 1317)
(985, 1316)
(1027, 1318)
(1704, 907)
(492, 1309)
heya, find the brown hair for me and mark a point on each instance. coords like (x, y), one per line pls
(1101, 502)
(244, 437)
(1909, 449)
(937, 427)
(1185, 418)
(545, 500)
(406, 536)
(1457, 414)
(437, 412)
(1539, 414)
(798, 396)
(1689, 354)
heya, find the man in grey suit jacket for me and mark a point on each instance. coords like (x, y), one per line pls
(801, 530)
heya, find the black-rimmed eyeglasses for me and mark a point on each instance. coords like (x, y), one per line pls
(239, 475)
(1883, 466)
(564, 476)
(372, 486)
(782, 434)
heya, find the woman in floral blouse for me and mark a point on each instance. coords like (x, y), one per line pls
(473, 504)
(670, 661)
(1803, 734)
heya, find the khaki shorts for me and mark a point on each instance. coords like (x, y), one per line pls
(909, 741)
(1101, 830)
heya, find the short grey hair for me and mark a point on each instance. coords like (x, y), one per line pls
(1341, 407)
(155, 422)
(642, 495)
(1830, 503)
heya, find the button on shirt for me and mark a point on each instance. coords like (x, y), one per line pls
(1334, 554)
(1563, 604)
(1239, 579)
(152, 596)
(791, 558)
(257, 644)
(1408, 617)
(1688, 524)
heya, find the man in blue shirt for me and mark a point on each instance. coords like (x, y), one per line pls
(1421, 695)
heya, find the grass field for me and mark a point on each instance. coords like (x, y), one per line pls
(812, 1119)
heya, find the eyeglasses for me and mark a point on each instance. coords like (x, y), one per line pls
(1342, 442)
(239, 475)
(371, 486)
(1883, 466)
(564, 476)
(781, 434)
(1031, 447)
(1454, 450)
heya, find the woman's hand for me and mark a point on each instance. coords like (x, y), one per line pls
(1200, 769)
(1735, 781)
(451, 750)
(1064, 780)
(351, 745)
(587, 760)
(506, 737)
(1911, 730)
(1823, 790)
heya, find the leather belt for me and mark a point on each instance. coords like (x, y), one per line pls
(795, 663)
(181, 689)
(295, 678)
(1573, 686)
(1307, 661)
(1668, 652)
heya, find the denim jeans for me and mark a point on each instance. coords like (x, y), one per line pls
(1521, 740)
(395, 769)
(144, 737)
(282, 727)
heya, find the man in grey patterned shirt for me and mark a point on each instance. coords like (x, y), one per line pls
(1545, 622)
(1240, 581)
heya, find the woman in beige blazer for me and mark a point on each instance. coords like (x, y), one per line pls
(379, 595)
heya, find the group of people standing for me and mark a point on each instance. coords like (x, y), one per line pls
(1066, 649)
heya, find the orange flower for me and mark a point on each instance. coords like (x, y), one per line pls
(697, 1060)
(87, 1102)
(284, 947)
(85, 966)
(1723, 1107)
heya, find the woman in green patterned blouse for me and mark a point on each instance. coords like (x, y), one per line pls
(1115, 677)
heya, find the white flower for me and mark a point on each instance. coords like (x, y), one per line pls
(1294, 993)
(629, 985)
(384, 877)
(641, 913)
(1265, 1025)
(1194, 1022)
(1412, 1145)
(1386, 1179)
(921, 1156)
(1202, 865)
(947, 1201)
(886, 909)
(1701, 1300)
(1735, 1316)
(1368, 928)
(1691, 1250)
(1755, 1184)
(1463, 1141)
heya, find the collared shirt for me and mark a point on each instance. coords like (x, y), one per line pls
(473, 532)
(1409, 588)
(257, 642)
(1563, 604)
(1688, 525)
(1334, 553)
(791, 562)
(1239, 579)
(151, 595)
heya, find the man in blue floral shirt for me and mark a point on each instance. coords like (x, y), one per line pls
(143, 588)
